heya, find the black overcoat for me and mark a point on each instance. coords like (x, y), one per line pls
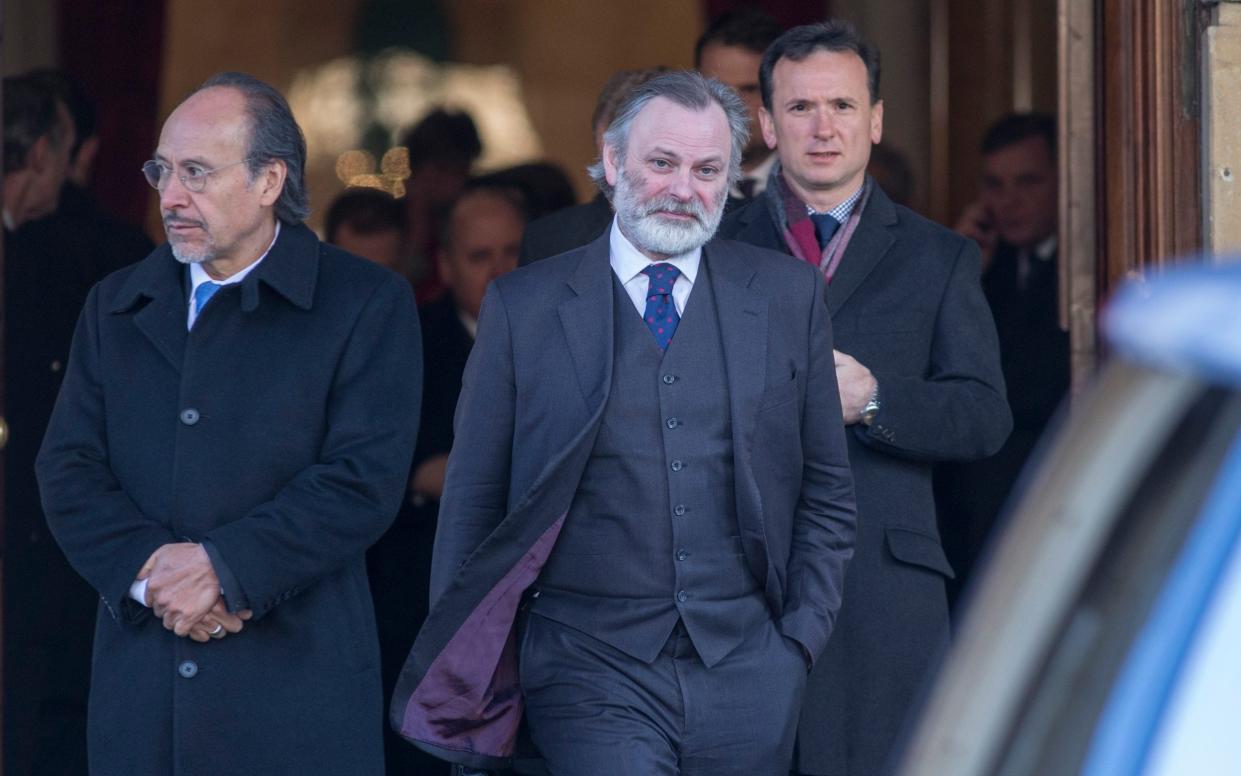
(280, 430)
(906, 303)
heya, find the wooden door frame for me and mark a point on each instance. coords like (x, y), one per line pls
(1130, 152)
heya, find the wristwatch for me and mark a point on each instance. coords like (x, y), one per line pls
(872, 407)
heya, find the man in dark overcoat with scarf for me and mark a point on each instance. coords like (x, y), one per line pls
(918, 366)
(234, 430)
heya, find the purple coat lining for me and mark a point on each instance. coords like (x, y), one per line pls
(469, 698)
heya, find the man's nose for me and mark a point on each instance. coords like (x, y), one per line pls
(824, 125)
(681, 186)
(174, 195)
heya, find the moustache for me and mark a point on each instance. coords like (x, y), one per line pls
(171, 221)
(669, 205)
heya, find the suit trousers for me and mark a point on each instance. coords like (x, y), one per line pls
(595, 711)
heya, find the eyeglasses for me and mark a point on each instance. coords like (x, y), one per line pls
(194, 179)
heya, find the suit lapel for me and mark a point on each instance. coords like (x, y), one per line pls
(743, 321)
(742, 315)
(156, 289)
(757, 227)
(869, 245)
(587, 322)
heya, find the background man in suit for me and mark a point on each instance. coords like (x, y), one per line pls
(230, 437)
(51, 262)
(649, 441)
(46, 659)
(730, 51)
(481, 241)
(38, 143)
(918, 369)
(369, 223)
(1014, 222)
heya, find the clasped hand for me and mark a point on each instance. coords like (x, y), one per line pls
(856, 384)
(184, 591)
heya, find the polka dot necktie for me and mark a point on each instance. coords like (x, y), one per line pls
(661, 312)
(203, 293)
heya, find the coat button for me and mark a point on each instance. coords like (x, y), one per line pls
(682, 554)
(682, 596)
(678, 510)
(673, 422)
(188, 669)
(677, 465)
(669, 379)
(189, 416)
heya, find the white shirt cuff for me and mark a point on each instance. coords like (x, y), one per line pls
(138, 591)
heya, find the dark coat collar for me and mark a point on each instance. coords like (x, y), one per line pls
(290, 269)
(867, 248)
(754, 224)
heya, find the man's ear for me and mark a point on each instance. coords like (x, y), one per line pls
(610, 163)
(876, 122)
(768, 126)
(445, 268)
(271, 182)
(83, 164)
(39, 155)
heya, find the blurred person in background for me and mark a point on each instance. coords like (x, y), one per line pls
(544, 186)
(1014, 221)
(443, 147)
(369, 223)
(892, 173)
(48, 609)
(730, 51)
(481, 238)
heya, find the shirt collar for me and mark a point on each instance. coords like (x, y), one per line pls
(198, 275)
(1045, 249)
(841, 212)
(469, 323)
(627, 261)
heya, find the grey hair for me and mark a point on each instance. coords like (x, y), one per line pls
(686, 88)
(274, 136)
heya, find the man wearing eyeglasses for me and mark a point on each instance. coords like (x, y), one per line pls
(234, 430)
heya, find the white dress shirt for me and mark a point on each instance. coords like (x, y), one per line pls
(628, 263)
(198, 276)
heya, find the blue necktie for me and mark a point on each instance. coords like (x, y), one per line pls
(661, 312)
(824, 227)
(203, 293)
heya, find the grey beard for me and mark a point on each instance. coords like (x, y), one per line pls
(652, 234)
(185, 256)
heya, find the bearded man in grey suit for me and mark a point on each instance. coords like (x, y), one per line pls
(650, 465)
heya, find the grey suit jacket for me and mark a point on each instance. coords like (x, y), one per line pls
(534, 391)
